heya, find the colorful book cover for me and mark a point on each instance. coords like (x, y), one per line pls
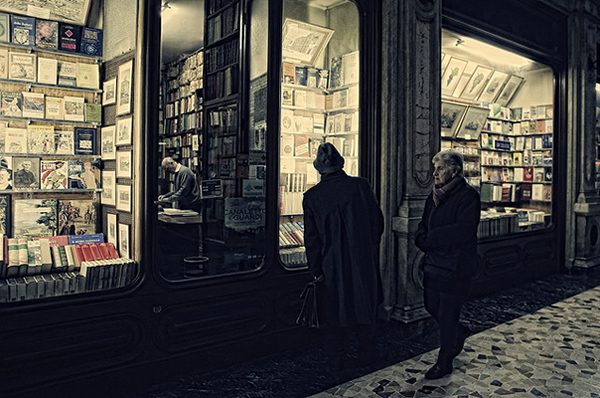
(93, 113)
(86, 238)
(34, 218)
(46, 34)
(26, 173)
(12, 104)
(22, 66)
(91, 41)
(54, 174)
(84, 174)
(23, 30)
(85, 140)
(40, 139)
(69, 37)
(64, 142)
(76, 217)
(5, 172)
(33, 105)
(5, 214)
(4, 27)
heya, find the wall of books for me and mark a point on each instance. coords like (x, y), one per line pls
(50, 162)
(319, 103)
(497, 110)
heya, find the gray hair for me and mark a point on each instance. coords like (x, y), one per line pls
(452, 159)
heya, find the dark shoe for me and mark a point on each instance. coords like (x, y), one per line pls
(437, 372)
(463, 333)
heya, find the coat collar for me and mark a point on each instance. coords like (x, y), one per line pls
(335, 174)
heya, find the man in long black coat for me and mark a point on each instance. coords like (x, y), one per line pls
(342, 227)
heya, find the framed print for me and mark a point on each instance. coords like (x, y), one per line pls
(111, 229)
(124, 164)
(123, 132)
(472, 123)
(109, 94)
(107, 145)
(452, 75)
(109, 181)
(124, 88)
(303, 42)
(75, 11)
(509, 90)
(493, 87)
(451, 116)
(123, 198)
(124, 240)
(476, 83)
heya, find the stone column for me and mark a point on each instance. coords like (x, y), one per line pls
(583, 203)
(410, 130)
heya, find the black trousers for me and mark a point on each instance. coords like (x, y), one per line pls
(445, 309)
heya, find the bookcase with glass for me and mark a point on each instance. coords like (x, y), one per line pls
(319, 103)
(497, 110)
(50, 163)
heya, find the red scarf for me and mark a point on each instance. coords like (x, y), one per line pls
(440, 194)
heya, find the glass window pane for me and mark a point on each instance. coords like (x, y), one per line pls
(319, 103)
(498, 111)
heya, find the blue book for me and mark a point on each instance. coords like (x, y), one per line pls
(91, 41)
(85, 140)
(86, 238)
(23, 30)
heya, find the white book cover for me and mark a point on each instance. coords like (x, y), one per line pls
(40, 139)
(15, 140)
(3, 63)
(63, 140)
(74, 107)
(47, 70)
(22, 67)
(33, 105)
(88, 75)
(55, 108)
(67, 73)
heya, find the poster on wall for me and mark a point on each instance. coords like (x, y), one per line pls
(303, 42)
(74, 11)
(244, 214)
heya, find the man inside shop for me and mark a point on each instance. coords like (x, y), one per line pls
(186, 193)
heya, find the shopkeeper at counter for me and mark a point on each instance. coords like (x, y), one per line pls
(186, 191)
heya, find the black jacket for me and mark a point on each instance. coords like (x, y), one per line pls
(448, 236)
(342, 227)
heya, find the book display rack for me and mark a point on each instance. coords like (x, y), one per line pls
(496, 117)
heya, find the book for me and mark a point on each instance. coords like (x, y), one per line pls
(26, 173)
(4, 27)
(335, 72)
(12, 104)
(350, 64)
(67, 73)
(55, 108)
(34, 257)
(57, 260)
(69, 37)
(5, 172)
(93, 113)
(69, 257)
(74, 108)
(76, 217)
(46, 34)
(23, 256)
(300, 72)
(33, 105)
(87, 75)
(85, 140)
(64, 142)
(91, 41)
(301, 146)
(12, 268)
(22, 66)
(5, 214)
(23, 30)
(53, 174)
(86, 238)
(47, 70)
(75, 255)
(34, 217)
(46, 255)
(323, 79)
(288, 72)
(40, 139)
(3, 63)
(15, 140)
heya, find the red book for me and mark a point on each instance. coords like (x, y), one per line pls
(113, 250)
(104, 250)
(96, 255)
(86, 252)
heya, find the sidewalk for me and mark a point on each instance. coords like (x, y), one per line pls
(554, 352)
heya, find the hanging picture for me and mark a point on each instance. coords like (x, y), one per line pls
(124, 93)
(124, 164)
(493, 87)
(108, 147)
(124, 240)
(123, 199)
(111, 229)
(123, 131)
(476, 83)
(509, 90)
(451, 116)
(109, 181)
(109, 94)
(452, 75)
(472, 123)
(303, 42)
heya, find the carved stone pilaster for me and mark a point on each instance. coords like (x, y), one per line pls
(583, 202)
(410, 125)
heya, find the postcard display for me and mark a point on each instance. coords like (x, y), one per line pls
(504, 128)
(317, 105)
(50, 162)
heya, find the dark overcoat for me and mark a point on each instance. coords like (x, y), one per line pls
(448, 236)
(342, 227)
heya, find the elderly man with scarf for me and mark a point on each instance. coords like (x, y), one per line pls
(447, 234)
(342, 227)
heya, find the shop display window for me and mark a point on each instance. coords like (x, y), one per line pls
(498, 111)
(319, 103)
